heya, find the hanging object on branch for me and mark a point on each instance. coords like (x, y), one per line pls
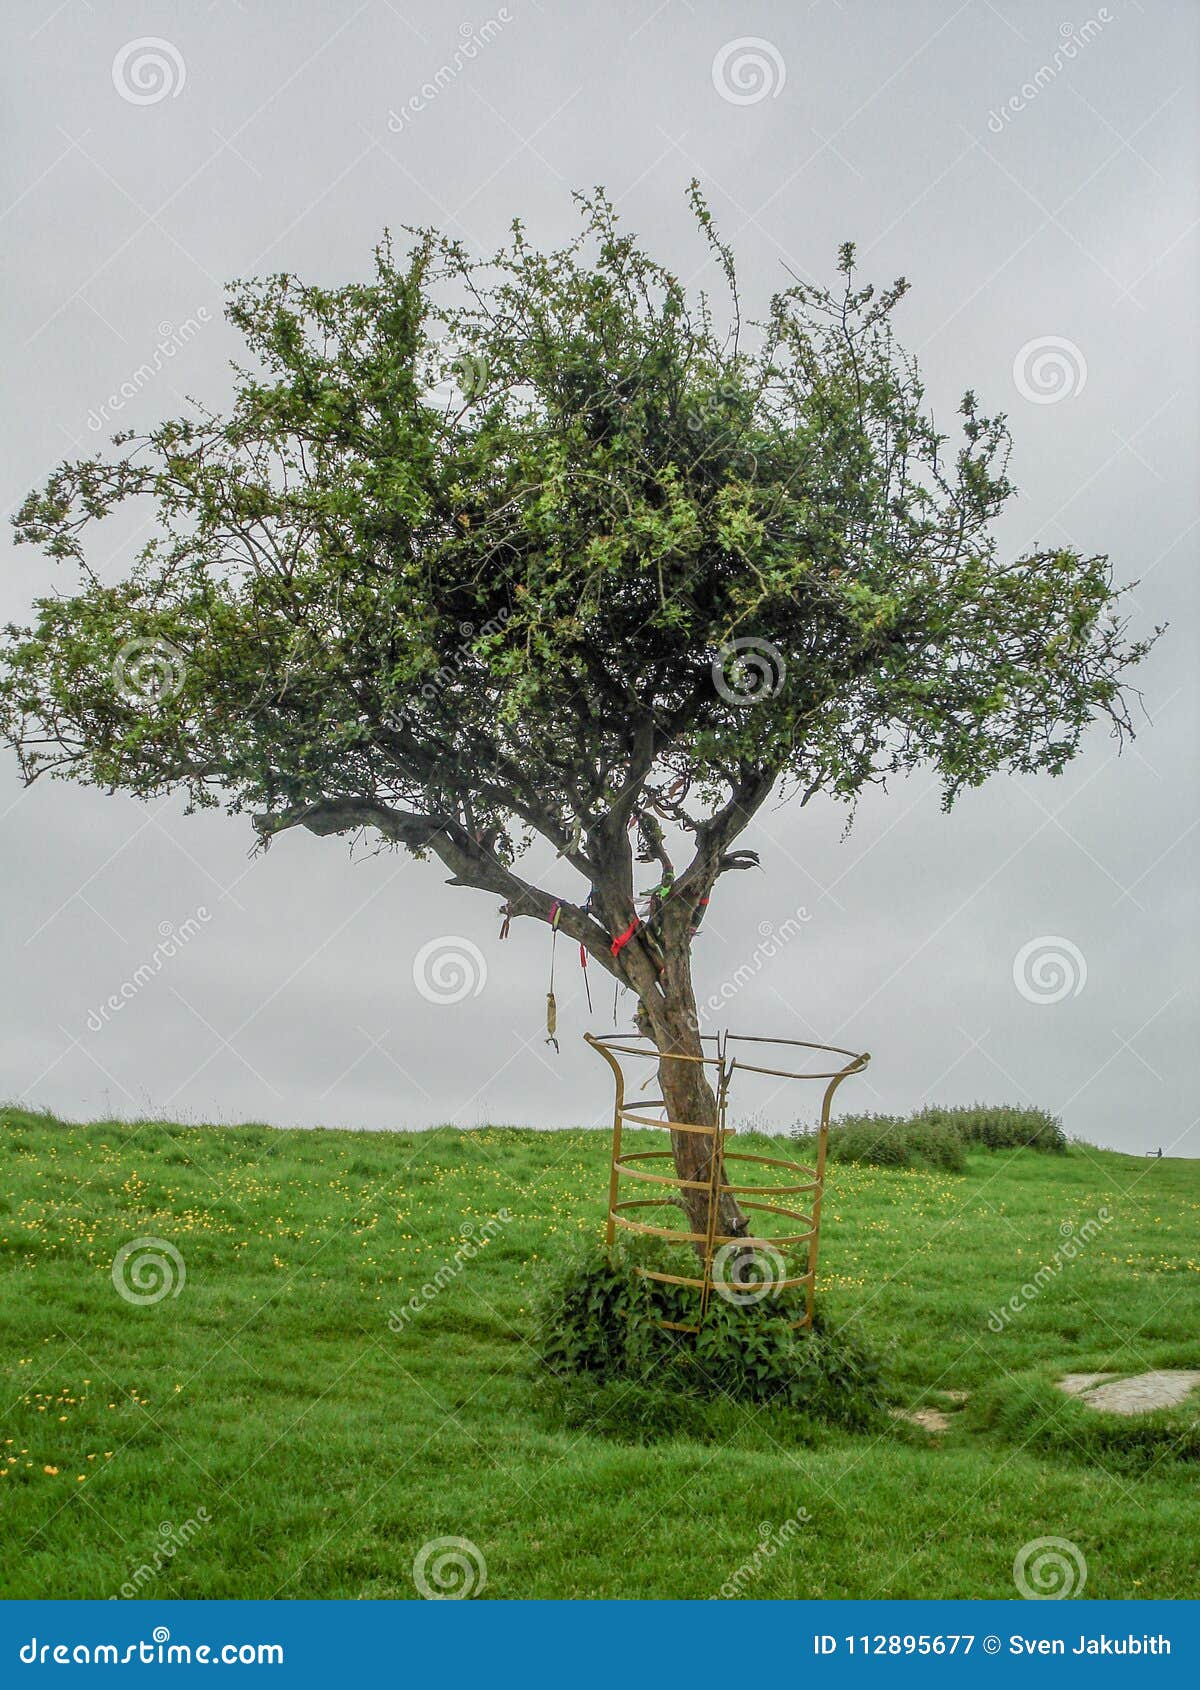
(583, 964)
(551, 1006)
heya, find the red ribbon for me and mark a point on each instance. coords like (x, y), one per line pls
(623, 939)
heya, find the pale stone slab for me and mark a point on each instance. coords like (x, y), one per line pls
(1075, 1384)
(1164, 1388)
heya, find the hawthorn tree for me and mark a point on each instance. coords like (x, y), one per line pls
(484, 551)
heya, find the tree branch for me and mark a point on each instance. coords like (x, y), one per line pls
(471, 863)
(713, 837)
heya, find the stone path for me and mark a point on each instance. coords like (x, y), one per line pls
(931, 1419)
(1138, 1394)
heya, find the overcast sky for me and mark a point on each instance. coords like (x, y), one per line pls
(1033, 174)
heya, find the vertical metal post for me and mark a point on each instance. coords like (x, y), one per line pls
(716, 1172)
(610, 1231)
(822, 1146)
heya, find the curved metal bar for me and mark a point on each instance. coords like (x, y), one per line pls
(800, 1044)
(663, 1179)
(645, 1230)
(790, 1074)
(669, 1279)
(673, 1126)
(607, 1042)
(768, 1243)
(752, 1190)
(772, 1161)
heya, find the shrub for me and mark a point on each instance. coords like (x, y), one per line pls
(1000, 1126)
(597, 1328)
(890, 1141)
(936, 1137)
(935, 1145)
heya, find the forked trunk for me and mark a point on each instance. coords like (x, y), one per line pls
(689, 1095)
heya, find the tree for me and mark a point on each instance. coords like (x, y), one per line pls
(484, 551)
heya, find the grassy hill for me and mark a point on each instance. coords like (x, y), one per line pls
(267, 1432)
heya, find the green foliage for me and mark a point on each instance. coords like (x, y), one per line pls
(464, 558)
(893, 1141)
(938, 1137)
(598, 1333)
(998, 1126)
(593, 1313)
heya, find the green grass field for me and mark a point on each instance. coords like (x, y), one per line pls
(265, 1433)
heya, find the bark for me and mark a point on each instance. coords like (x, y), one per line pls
(689, 1094)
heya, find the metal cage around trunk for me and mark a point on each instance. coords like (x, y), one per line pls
(781, 1189)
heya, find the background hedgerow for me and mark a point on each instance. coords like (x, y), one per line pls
(937, 1137)
(892, 1141)
(999, 1126)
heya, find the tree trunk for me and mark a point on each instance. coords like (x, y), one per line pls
(689, 1095)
